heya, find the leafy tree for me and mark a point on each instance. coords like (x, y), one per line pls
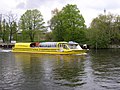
(31, 22)
(115, 32)
(48, 36)
(4, 32)
(104, 30)
(7, 27)
(0, 25)
(68, 24)
(56, 26)
(11, 20)
(2, 28)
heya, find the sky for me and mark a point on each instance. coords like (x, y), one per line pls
(88, 8)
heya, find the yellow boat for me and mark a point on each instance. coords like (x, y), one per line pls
(49, 48)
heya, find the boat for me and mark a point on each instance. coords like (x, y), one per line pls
(49, 48)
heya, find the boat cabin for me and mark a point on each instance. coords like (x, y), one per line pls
(64, 45)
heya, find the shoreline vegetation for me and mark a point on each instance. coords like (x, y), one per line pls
(67, 24)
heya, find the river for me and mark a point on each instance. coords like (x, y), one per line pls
(98, 70)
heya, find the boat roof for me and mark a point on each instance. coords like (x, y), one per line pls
(22, 45)
(72, 43)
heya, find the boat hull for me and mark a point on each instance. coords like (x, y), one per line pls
(48, 51)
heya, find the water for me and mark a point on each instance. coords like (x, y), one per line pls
(99, 70)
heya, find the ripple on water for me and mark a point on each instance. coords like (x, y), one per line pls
(96, 71)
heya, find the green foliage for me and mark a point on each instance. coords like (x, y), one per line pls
(11, 25)
(8, 27)
(104, 31)
(30, 23)
(14, 31)
(68, 24)
(48, 36)
(4, 32)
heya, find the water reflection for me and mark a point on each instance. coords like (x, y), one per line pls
(10, 75)
(31, 70)
(106, 66)
(64, 70)
(69, 71)
(96, 71)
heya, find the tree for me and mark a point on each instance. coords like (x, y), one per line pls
(6, 28)
(49, 36)
(3, 31)
(31, 22)
(0, 25)
(56, 26)
(11, 25)
(68, 24)
(115, 33)
(104, 30)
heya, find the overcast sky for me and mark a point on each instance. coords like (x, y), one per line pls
(88, 8)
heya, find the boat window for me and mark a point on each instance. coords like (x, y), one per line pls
(32, 45)
(65, 47)
(73, 46)
(59, 45)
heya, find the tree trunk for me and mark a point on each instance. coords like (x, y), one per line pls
(10, 35)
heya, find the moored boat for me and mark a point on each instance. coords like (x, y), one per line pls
(49, 48)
